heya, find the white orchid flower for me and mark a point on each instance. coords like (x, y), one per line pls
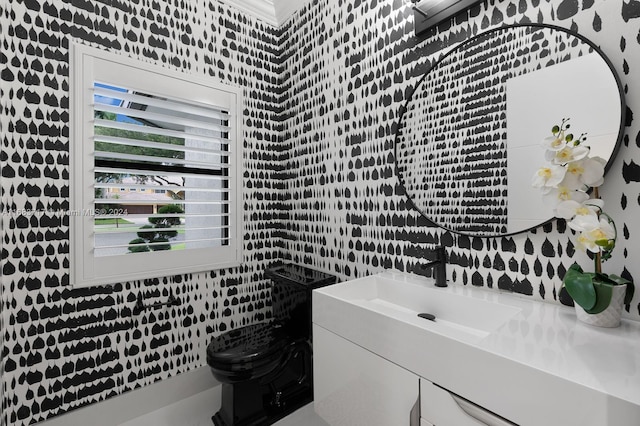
(571, 208)
(572, 180)
(587, 172)
(584, 242)
(594, 171)
(562, 193)
(548, 176)
(592, 231)
(584, 223)
(567, 154)
(564, 182)
(555, 142)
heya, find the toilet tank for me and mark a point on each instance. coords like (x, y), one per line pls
(291, 296)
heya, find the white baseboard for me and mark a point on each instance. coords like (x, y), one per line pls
(141, 406)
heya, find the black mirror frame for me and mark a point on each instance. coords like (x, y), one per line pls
(403, 110)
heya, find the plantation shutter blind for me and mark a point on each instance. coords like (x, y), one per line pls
(161, 167)
(151, 152)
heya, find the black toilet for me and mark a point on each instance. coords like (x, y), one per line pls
(266, 368)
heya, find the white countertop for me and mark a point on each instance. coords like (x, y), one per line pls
(543, 356)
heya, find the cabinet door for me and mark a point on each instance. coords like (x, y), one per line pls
(441, 408)
(354, 387)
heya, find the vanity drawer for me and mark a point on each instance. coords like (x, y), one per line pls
(439, 407)
(355, 387)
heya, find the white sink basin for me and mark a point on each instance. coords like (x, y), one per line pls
(458, 313)
(484, 345)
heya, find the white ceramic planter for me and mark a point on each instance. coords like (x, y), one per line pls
(611, 316)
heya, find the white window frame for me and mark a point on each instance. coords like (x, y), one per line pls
(88, 270)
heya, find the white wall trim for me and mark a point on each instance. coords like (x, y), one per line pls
(262, 9)
(273, 12)
(284, 9)
(131, 405)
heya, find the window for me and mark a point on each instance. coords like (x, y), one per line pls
(155, 163)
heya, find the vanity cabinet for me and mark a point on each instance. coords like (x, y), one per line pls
(354, 387)
(530, 363)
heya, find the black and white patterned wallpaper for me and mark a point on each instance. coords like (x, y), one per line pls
(63, 347)
(322, 97)
(349, 68)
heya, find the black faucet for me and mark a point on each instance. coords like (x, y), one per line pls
(438, 265)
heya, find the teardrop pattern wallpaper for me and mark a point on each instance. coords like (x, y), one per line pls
(350, 67)
(64, 347)
(322, 96)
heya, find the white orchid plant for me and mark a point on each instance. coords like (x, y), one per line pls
(569, 181)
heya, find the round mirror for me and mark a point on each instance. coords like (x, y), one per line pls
(468, 139)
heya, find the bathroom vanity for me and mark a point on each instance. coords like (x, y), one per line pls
(486, 358)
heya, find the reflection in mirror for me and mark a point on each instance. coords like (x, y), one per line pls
(469, 137)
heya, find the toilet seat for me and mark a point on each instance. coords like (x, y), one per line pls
(248, 352)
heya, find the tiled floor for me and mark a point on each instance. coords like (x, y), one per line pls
(192, 411)
(198, 409)
(303, 417)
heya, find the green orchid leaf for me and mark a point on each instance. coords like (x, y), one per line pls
(575, 267)
(628, 296)
(603, 298)
(580, 287)
(603, 279)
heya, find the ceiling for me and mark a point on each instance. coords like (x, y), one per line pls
(274, 12)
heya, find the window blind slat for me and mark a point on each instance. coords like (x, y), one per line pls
(145, 216)
(175, 105)
(132, 229)
(128, 202)
(125, 231)
(119, 125)
(155, 187)
(116, 246)
(157, 145)
(143, 172)
(161, 160)
(167, 119)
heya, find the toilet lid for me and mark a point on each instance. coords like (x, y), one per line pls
(299, 275)
(247, 344)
